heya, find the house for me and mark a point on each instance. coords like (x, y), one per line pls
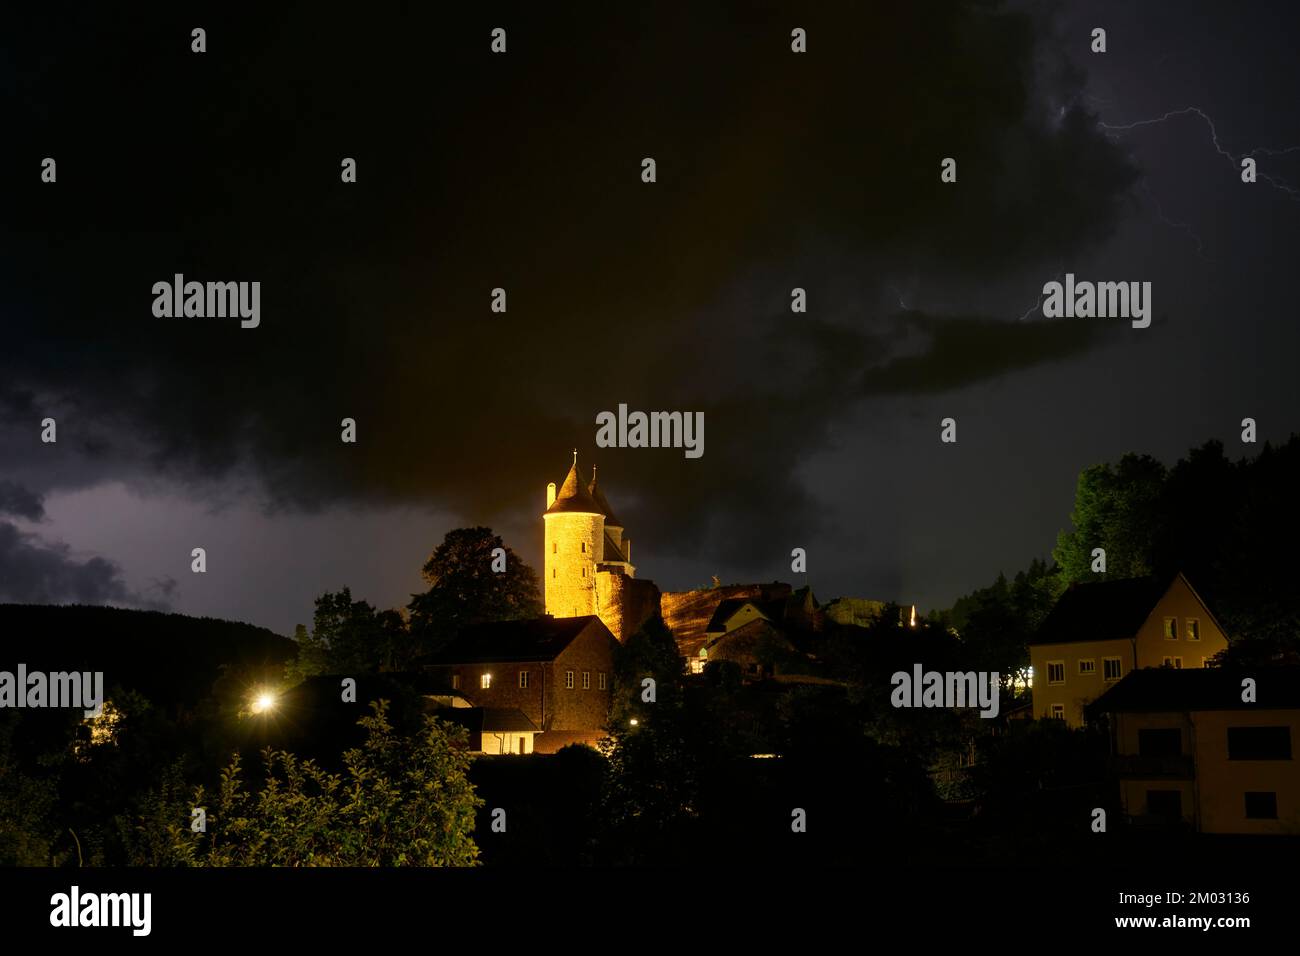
(1099, 632)
(557, 672)
(1188, 750)
(757, 647)
(494, 730)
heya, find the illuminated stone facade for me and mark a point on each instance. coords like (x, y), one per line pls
(587, 567)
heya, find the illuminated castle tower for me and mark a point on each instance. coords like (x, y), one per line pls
(588, 562)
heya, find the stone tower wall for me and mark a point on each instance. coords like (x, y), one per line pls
(573, 543)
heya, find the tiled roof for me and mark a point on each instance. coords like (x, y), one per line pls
(573, 495)
(487, 720)
(538, 639)
(1102, 610)
(1167, 689)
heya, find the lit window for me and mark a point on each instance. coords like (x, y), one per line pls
(601, 680)
(485, 681)
(568, 680)
(1193, 629)
(455, 682)
(586, 680)
(1058, 712)
(1087, 666)
(1111, 669)
(523, 679)
(1171, 629)
(1056, 672)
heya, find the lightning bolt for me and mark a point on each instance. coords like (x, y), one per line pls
(1292, 193)
(1039, 301)
(1181, 226)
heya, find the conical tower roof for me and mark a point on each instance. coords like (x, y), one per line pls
(611, 521)
(573, 495)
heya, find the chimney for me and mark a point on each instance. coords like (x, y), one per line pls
(550, 495)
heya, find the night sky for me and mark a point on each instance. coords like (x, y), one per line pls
(522, 170)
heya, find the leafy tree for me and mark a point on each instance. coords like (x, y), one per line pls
(996, 623)
(1116, 508)
(350, 637)
(465, 590)
(400, 801)
(312, 659)
(28, 835)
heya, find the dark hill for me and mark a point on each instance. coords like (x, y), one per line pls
(170, 658)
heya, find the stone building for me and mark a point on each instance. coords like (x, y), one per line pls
(587, 567)
(557, 672)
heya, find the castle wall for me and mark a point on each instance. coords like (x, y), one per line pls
(573, 543)
(625, 603)
(687, 613)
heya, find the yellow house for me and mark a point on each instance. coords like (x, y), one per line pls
(1187, 749)
(1099, 632)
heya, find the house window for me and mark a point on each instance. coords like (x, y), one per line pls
(1171, 629)
(1193, 629)
(1259, 743)
(600, 680)
(1261, 805)
(584, 572)
(1205, 662)
(1058, 712)
(586, 680)
(1175, 662)
(1087, 666)
(1111, 669)
(455, 682)
(568, 680)
(555, 547)
(554, 572)
(584, 547)
(523, 679)
(485, 681)
(1056, 672)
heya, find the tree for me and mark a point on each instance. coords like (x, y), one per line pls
(312, 659)
(1118, 509)
(465, 588)
(350, 637)
(400, 801)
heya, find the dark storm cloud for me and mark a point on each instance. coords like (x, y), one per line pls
(20, 501)
(35, 572)
(960, 351)
(522, 172)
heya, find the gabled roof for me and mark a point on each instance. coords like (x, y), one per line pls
(538, 639)
(487, 720)
(1166, 689)
(573, 495)
(728, 608)
(1102, 610)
